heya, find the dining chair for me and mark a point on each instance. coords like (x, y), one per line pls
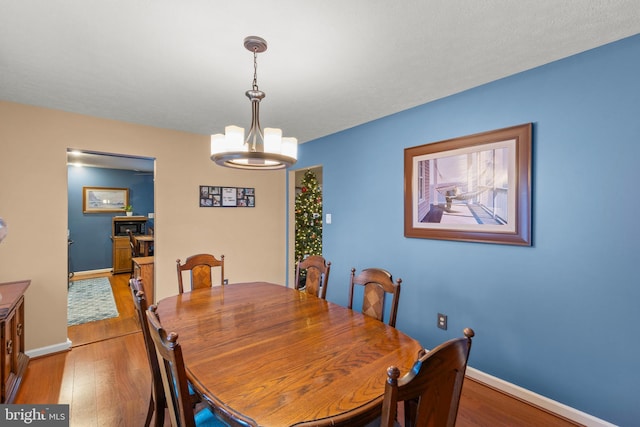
(135, 251)
(315, 270)
(135, 247)
(157, 401)
(377, 283)
(431, 389)
(175, 377)
(200, 267)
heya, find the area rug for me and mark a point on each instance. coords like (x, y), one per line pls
(90, 300)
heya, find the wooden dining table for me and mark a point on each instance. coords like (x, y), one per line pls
(262, 354)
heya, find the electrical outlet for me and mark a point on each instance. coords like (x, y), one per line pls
(442, 321)
(225, 282)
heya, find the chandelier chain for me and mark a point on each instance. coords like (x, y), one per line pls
(255, 68)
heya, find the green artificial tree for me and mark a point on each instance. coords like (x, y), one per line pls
(308, 218)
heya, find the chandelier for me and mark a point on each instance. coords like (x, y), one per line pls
(260, 150)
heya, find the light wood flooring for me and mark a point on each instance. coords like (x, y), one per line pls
(105, 378)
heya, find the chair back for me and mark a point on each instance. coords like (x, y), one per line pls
(431, 389)
(200, 267)
(135, 248)
(172, 364)
(157, 402)
(377, 284)
(317, 275)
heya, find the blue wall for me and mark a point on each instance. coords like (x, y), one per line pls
(91, 233)
(559, 318)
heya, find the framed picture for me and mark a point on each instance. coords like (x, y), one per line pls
(475, 188)
(229, 196)
(212, 196)
(104, 199)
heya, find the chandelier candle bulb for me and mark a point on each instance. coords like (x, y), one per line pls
(218, 144)
(234, 136)
(272, 140)
(290, 147)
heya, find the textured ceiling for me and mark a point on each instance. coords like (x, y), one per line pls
(330, 65)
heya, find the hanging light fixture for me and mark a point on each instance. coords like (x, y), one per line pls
(259, 150)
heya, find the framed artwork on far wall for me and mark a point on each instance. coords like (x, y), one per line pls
(104, 199)
(476, 188)
(230, 197)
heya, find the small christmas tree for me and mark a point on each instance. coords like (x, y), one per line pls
(308, 218)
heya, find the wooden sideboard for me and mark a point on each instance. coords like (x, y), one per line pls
(13, 360)
(143, 269)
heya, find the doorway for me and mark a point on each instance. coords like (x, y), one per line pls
(90, 231)
(305, 200)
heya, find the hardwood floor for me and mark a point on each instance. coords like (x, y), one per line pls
(105, 378)
(125, 323)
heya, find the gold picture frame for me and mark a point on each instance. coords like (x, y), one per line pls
(104, 199)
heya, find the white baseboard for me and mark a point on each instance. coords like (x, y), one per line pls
(102, 270)
(537, 400)
(55, 348)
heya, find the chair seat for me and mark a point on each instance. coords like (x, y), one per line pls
(206, 418)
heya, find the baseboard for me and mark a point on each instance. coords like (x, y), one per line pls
(537, 400)
(102, 270)
(44, 351)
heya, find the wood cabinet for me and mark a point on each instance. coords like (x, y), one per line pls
(120, 240)
(13, 360)
(143, 269)
(121, 255)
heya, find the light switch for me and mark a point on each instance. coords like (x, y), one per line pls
(328, 221)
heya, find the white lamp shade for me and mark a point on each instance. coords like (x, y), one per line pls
(218, 143)
(234, 136)
(290, 147)
(272, 140)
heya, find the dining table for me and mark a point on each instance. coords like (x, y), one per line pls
(263, 354)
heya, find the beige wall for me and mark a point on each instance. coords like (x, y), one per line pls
(33, 201)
